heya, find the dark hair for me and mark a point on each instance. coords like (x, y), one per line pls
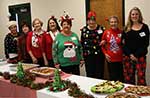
(55, 20)
(66, 20)
(24, 23)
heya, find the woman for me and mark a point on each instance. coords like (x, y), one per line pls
(52, 30)
(90, 39)
(35, 43)
(10, 43)
(23, 55)
(136, 42)
(67, 52)
(112, 49)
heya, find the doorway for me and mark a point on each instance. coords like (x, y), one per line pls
(20, 13)
(106, 8)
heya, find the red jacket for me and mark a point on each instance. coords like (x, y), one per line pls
(48, 46)
(37, 51)
(113, 44)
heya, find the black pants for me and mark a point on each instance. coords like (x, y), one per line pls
(95, 66)
(51, 63)
(41, 62)
(72, 69)
(115, 71)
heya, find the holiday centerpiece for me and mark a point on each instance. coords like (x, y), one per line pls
(20, 72)
(58, 84)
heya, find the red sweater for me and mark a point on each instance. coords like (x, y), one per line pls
(48, 46)
(37, 51)
(113, 44)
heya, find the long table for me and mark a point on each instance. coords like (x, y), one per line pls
(84, 83)
(9, 90)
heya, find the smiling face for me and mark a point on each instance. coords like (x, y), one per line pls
(52, 25)
(134, 16)
(91, 23)
(13, 29)
(113, 22)
(25, 29)
(37, 24)
(66, 27)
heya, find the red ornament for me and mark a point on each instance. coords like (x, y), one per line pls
(94, 41)
(131, 70)
(144, 65)
(141, 59)
(137, 66)
(91, 14)
(127, 78)
(141, 81)
(106, 19)
(140, 73)
(127, 64)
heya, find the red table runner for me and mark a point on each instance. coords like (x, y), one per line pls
(10, 90)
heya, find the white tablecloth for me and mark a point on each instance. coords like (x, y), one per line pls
(84, 83)
(4, 67)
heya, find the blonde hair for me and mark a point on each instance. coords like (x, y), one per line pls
(129, 21)
(37, 19)
(113, 17)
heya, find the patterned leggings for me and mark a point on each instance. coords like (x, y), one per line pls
(130, 69)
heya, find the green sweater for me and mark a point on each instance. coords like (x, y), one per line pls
(67, 50)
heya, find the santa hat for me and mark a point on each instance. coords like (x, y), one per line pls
(11, 23)
(91, 15)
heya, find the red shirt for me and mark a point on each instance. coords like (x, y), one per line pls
(37, 48)
(113, 44)
(22, 50)
(48, 46)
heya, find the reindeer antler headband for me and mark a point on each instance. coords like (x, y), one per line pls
(66, 17)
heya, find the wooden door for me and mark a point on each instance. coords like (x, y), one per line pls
(107, 8)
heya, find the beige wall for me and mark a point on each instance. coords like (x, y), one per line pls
(43, 9)
(144, 6)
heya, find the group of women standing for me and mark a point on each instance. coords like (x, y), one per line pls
(124, 50)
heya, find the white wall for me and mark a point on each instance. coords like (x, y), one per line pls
(144, 7)
(43, 9)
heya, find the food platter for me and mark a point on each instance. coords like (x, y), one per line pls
(26, 66)
(139, 90)
(122, 95)
(43, 71)
(107, 87)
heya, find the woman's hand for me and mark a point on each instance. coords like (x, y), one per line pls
(133, 58)
(82, 63)
(46, 62)
(107, 57)
(103, 42)
(34, 60)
